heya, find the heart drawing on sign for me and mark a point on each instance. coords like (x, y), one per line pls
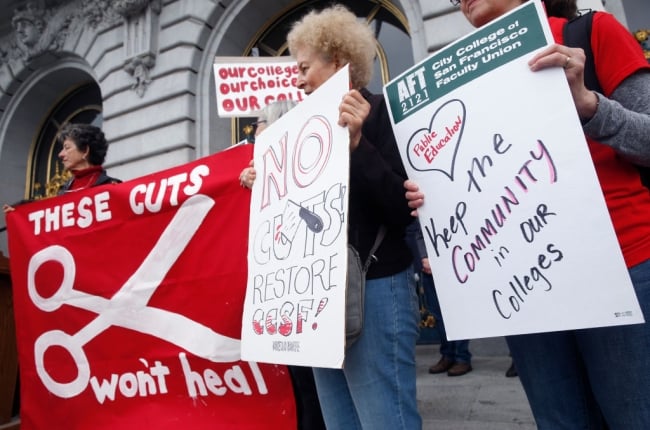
(435, 147)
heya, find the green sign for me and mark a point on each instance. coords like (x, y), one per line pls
(490, 47)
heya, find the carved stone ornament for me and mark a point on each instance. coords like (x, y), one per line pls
(129, 8)
(37, 31)
(139, 67)
(141, 41)
(96, 12)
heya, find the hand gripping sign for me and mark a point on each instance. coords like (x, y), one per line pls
(128, 307)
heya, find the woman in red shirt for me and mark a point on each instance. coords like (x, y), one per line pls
(594, 378)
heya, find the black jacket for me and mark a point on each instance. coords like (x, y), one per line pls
(377, 193)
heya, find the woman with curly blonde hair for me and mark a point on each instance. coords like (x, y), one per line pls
(337, 35)
(376, 387)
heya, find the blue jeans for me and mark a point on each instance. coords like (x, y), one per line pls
(581, 378)
(454, 350)
(376, 388)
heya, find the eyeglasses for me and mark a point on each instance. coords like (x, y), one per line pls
(454, 2)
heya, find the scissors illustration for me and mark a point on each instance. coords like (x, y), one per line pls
(293, 213)
(128, 306)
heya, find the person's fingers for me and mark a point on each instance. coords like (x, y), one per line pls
(247, 177)
(414, 196)
(411, 185)
(426, 267)
(558, 56)
(353, 111)
(415, 203)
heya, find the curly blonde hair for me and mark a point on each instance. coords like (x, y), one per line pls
(337, 34)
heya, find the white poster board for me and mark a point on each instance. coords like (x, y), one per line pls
(515, 224)
(244, 85)
(297, 257)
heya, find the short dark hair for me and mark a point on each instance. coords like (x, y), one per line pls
(561, 8)
(86, 136)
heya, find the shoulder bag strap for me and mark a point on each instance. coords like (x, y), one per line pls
(371, 255)
(577, 34)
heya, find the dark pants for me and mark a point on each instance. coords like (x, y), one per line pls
(304, 388)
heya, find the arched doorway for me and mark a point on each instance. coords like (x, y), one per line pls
(42, 96)
(388, 22)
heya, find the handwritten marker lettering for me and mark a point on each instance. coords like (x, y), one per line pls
(523, 285)
(434, 148)
(465, 257)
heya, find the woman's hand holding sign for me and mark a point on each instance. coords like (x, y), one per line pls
(414, 196)
(572, 60)
(353, 111)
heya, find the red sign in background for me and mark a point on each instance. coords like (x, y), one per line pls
(128, 303)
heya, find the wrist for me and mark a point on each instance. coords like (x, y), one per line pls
(354, 142)
(589, 107)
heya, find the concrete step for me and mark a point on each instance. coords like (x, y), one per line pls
(483, 399)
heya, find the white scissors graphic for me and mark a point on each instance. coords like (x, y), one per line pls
(128, 307)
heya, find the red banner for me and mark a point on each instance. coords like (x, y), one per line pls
(128, 302)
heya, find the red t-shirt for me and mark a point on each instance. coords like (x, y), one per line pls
(618, 55)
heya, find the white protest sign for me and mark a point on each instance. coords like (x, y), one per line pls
(244, 85)
(515, 224)
(297, 248)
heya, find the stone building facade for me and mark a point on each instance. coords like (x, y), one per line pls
(142, 70)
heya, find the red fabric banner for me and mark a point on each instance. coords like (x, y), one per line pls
(128, 302)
